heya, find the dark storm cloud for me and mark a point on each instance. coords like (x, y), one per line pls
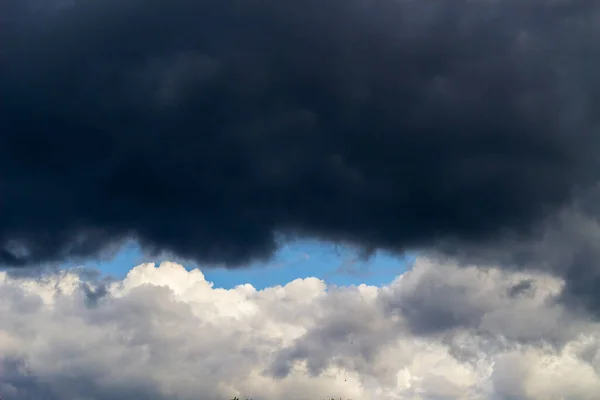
(209, 128)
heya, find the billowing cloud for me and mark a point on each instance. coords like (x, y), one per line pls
(436, 332)
(211, 128)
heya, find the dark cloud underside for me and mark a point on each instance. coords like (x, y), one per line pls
(208, 128)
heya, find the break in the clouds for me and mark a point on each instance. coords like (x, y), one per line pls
(209, 129)
(436, 332)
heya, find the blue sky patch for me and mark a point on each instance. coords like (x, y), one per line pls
(335, 264)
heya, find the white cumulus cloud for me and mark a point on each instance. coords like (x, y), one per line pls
(438, 332)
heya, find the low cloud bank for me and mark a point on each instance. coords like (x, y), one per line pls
(436, 332)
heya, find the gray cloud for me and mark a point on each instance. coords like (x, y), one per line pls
(210, 129)
(566, 245)
(435, 298)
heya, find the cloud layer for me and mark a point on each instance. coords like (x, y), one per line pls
(211, 128)
(436, 332)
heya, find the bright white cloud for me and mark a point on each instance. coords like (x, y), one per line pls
(436, 332)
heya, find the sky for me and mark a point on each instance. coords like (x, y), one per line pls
(335, 264)
(250, 173)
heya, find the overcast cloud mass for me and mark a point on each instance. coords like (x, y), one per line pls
(436, 332)
(210, 128)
